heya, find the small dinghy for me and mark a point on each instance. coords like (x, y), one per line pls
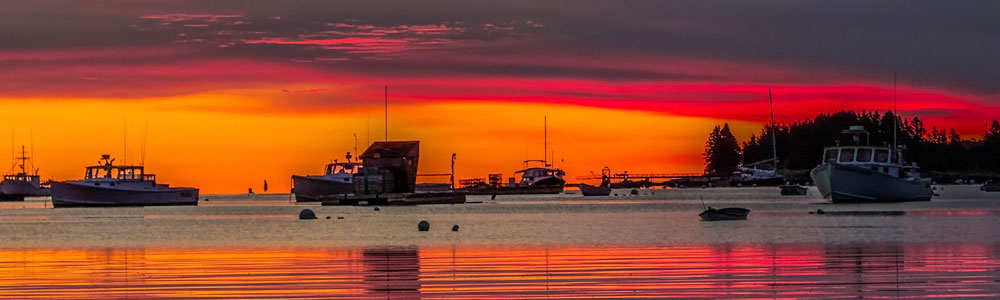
(793, 190)
(589, 190)
(724, 214)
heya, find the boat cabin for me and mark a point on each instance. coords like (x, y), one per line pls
(342, 168)
(530, 175)
(121, 173)
(875, 158)
(22, 177)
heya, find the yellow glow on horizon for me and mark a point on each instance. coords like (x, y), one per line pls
(226, 143)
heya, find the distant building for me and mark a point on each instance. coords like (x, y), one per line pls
(388, 167)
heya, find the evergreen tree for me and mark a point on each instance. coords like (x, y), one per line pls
(722, 152)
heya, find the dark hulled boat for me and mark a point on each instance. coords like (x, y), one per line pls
(111, 185)
(724, 214)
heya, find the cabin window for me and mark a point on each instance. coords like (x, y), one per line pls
(831, 156)
(881, 155)
(864, 155)
(846, 155)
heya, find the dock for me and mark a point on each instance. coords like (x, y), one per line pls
(395, 199)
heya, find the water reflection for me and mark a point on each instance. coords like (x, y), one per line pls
(698, 272)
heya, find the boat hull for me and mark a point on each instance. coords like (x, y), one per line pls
(73, 194)
(990, 187)
(724, 214)
(850, 184)
(21, 189)
(311, 188)
(589, 190)
(515, 190)
(793, 190)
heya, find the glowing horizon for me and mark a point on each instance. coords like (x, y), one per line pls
(237, 93)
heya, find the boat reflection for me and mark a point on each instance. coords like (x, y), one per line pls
(507, 272)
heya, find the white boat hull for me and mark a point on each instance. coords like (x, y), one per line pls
(842, 183)
(21, 188)
(80, 194)
(311, 188)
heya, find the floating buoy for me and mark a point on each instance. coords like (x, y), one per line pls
(454, 227)
(307, 214)
(424, 226)
(377, 209)
(327, 217)
(820, 212)
(340, 217)
(493, 197)
(635, 192)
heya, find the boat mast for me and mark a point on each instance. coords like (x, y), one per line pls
(774, 137)
(386, 113)
(895, 121)
(545, 140)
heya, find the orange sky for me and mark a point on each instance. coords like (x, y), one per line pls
(238, 92)
(229, 151)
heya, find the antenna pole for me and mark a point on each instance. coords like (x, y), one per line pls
(387, 113)
(895, 119)
(125, 140)
(774, 136)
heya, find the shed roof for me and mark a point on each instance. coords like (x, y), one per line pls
(391, 149)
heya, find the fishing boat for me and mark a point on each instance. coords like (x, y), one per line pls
(123, 185)
(602, 190)
(724, 214)
(539, 179)
(16, 186)
(864, 173)
(534, 180)
(337, 179)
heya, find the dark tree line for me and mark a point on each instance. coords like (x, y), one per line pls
(800, 144)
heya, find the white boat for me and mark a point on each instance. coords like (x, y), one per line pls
(337, 179)
(865, 173)
(16, 186)
(110, 185)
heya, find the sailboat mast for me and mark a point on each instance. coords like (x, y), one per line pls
(774, 136)
(895, 119)
(545, 140)
(387, 113)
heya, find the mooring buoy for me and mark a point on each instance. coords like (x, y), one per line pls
(377, 209)
(307, 214)
(424, 225)
(454, 227)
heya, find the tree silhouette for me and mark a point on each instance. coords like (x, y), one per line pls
(722, 152)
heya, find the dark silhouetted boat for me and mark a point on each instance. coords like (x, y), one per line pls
(337, 179)
(990, 187)
(110, 185)
(590, 190)
(16, 186)
(602, 190)
(793, 190)
(724, 214)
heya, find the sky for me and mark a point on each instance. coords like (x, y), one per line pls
(223, 95)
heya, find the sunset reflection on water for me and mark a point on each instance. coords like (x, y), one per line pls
(717, 271)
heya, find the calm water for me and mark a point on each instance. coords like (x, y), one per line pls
(558, 246)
